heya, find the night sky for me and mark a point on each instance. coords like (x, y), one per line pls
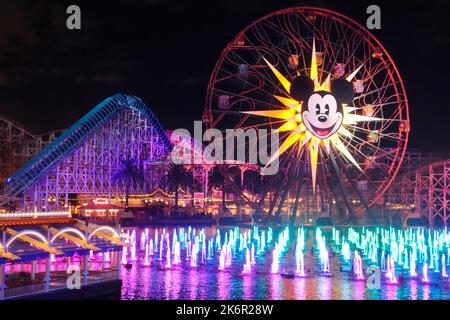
(164, 51)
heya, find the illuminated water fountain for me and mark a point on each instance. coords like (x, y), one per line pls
(194, 254)
(177, 253)
(275, 260)
(168, 261)
(150, 248)
(444, 266)
(222, 259)
(425, 273)
(358, 267)
(146, 255)
(253, 261)
(124, 255)
(300, 263)
(247, 265)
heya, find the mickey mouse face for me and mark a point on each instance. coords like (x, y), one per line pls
(322, 111)
(321, 117)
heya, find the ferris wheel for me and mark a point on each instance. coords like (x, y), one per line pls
(334, 96)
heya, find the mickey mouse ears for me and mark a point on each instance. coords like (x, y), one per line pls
(302, 87)
(342, 90)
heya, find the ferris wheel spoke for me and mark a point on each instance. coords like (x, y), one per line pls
(373, 147)
(379, 133)
(384, 104)
(367, 178)
(246, 81)
(341, 47)
(244, 97)
(242, 94)
(364, 156)
(376, 90)
(289, 37)
(375, 150)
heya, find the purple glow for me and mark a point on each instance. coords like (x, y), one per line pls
(150, 248)
(161, 248)
(124, 255)
(444, 266)
(300, 263)
(425, 273)
(357, 266)
(228, 257)
(412, 266)
(222, 259)
(275, 260)
(253, 254)
(177, 253)
(146, 260)
(133, 252)
(194, 254)
(391, 270)
(247, 265)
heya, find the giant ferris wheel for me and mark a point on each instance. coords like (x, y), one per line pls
(334, 96)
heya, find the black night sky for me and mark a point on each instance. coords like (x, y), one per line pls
(164, 51)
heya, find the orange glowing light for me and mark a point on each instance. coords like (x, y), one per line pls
(297, 133)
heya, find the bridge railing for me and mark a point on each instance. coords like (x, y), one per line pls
(56, 284)
(23, 291)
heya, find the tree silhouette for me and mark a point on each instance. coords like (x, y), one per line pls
(128, 174)
(177, 177)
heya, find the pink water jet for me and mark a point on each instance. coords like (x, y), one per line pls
(194, 254)
(177, 253)
(124, 255)
(203, 253)
(425, 273)
(357, 266)
(222, 259)
(247, 265)
(146, 254)
(300, 263)
(228, 257)
(161, 243)
(188, 250)
(168, 261)
(275, 260)
(253, 254)
(412, 266)
(150, 248)
(156, 240)
(391, 270)
(444, 267)
(142, 244)
(133, 253)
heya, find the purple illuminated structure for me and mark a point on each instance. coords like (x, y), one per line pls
(84, 159)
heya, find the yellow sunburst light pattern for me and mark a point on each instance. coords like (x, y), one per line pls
(297, 132)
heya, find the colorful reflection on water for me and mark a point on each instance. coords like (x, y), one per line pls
(206, 282)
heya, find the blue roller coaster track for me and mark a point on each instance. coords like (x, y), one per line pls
(74, 137)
